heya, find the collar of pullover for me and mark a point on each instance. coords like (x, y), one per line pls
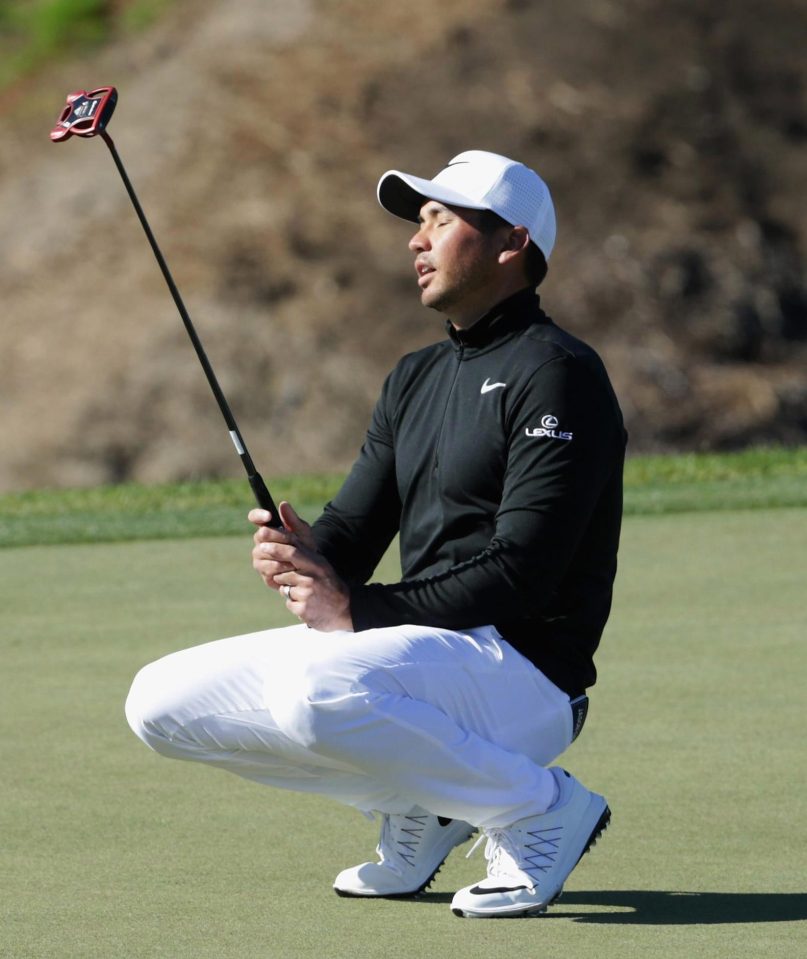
(515, 313)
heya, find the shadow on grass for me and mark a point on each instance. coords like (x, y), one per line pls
(657, 908)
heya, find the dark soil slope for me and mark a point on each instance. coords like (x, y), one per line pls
(673, 135)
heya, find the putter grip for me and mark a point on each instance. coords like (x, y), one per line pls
(264, 499)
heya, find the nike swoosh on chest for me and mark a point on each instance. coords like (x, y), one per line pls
(487, 386)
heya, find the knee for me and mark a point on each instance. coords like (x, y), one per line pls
(147, 714)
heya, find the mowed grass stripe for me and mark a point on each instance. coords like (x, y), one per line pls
(694, 737)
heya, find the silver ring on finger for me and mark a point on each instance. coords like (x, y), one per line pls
(286, 590)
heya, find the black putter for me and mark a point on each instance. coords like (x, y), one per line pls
(87, 115)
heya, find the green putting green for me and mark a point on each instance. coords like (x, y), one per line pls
(695, 736)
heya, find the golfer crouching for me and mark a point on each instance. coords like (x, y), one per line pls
(440, 701)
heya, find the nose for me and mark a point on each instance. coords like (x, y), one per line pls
(419, 241)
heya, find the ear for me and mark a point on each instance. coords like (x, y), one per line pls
(515, 241)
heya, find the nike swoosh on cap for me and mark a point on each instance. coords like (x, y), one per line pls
(487, 386)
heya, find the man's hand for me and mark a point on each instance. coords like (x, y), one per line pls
(287, 560)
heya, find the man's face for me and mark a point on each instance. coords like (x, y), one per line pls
(455, 262)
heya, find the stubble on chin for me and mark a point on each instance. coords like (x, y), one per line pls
(452, 297)
(433, 298)
(435, 301)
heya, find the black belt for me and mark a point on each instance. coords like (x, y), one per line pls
(579, 707)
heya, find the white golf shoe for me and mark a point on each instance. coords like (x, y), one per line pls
(529, 861)
(411, 849)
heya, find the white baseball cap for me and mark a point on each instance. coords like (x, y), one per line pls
(478, 180)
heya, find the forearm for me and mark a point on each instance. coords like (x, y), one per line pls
(354, 542)
(358, 525)
(513, 578)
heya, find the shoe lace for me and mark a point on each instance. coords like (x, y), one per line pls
(510, 854)
(400, 838)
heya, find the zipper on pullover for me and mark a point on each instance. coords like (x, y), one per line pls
(436, 459)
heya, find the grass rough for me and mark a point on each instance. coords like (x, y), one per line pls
(36, 32)
(766, 478)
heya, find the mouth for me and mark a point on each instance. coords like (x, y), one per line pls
(424, 271)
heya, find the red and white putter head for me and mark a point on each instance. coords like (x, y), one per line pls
(85, 114)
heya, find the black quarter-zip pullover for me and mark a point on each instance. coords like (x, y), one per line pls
(497, 455)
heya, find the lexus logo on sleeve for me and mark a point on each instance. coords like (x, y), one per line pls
(549, 429)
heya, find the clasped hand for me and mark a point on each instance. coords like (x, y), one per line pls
(289, 558)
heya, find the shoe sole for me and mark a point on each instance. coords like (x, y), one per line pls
(413, 894)
(537, 910)
(409, 894)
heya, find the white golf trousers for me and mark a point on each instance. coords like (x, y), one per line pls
(459, 723)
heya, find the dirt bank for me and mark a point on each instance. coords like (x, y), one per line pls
(674, 138)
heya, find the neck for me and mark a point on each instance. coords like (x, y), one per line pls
(465, 319)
